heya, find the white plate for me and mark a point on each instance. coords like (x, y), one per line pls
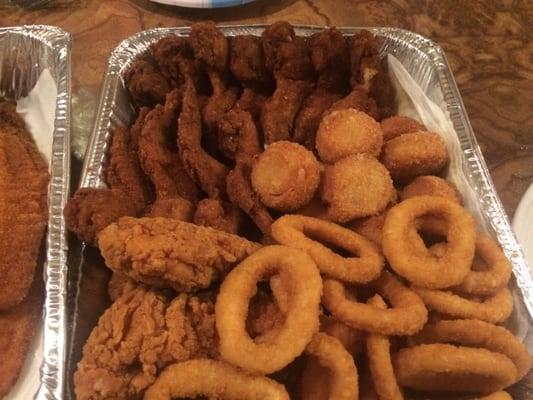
(523, 224)
(204, 3)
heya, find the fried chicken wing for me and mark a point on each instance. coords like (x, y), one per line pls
(239, 128)
(357, 99)
(124, 171)
(159, 155)
(165, 252)
(220, 215)
(23, 206)
(146, 84)
(205, 170)
(287, 57)
(90, 210)
(142, 332)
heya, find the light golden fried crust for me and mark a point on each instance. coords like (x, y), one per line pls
(356, 187)
(141, 333)
(285, 176)
(219, 215)
(23, 206)
(166, 252)
(414, 154)
(431, 186)
(346, 132)
(177, 208)
(398, 125)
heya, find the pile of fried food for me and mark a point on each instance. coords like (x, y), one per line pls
(273, 229)
(23, 214)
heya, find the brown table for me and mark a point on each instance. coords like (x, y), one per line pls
(489, 46)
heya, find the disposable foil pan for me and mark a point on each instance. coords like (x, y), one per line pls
(25, 52)
(423, 59)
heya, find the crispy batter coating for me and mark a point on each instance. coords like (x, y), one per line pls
(205, 170)
(398, 125)
(119, 284)
(159, 157)
(146, 84)
(23, 206)
(253, 97)
(165, 252)
(346, 132)
(136, 128)
(210, 46)
(124, 172)
(141, 333)
(90, 210)
(219, 214)
(370, 227)
(247, 61)
(242, 137)
(431, 186)
(357, 99)
(414, 154)
(285, 176)
(355, 187)
(177, 208)
(18, 325)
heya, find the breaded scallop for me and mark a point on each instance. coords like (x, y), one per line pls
(398, 125)
(414, 154)
(285, 176)
(431, 186)
(346, 132)
(356, 187)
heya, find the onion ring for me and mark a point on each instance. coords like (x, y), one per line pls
(301, 321)
(407, 316)
(475, 333)
(214, 379)
(299, 232)
(331, 354)
(445, 368)
(352, 339)
(379, 360)
(421, 267)
(493, 309)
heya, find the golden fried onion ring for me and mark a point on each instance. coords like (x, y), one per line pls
(475, 333)
(301, 320)
(495, 309)
(214, 379)
(300, 232)
(379, 360)
(419, 266)
(407, 316)
(444, 368)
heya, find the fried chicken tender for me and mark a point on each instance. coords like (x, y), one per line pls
(285, 176)
(124, 171)
(219, 215)
(205, 170)
(414, 154)
(90, 210)
(398, 125)
(240, 126)
(23, 206)
(287, 57)
(346, 132)
(330, 58)
(177, 208)
(17, 329)
(142, 332)
(165, 252)
(355, 187)
(431, 186)
(120, 284)
(136, 128)
(146, 84)
(159, 156)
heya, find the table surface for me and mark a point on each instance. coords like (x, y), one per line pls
(488, 44)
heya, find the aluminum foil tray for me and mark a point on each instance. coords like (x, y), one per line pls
(424, 60)
(25, 52)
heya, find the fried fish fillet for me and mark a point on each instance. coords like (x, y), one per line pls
(165, 252)
(23, 207)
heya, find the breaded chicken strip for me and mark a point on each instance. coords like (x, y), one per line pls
(23, 206)
(165, 252)
(142, 332)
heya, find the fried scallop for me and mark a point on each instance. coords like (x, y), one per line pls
(346, 132)
(414, 154)
(398, 125)
(285, 176)
(355, 187)
(431, 186)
